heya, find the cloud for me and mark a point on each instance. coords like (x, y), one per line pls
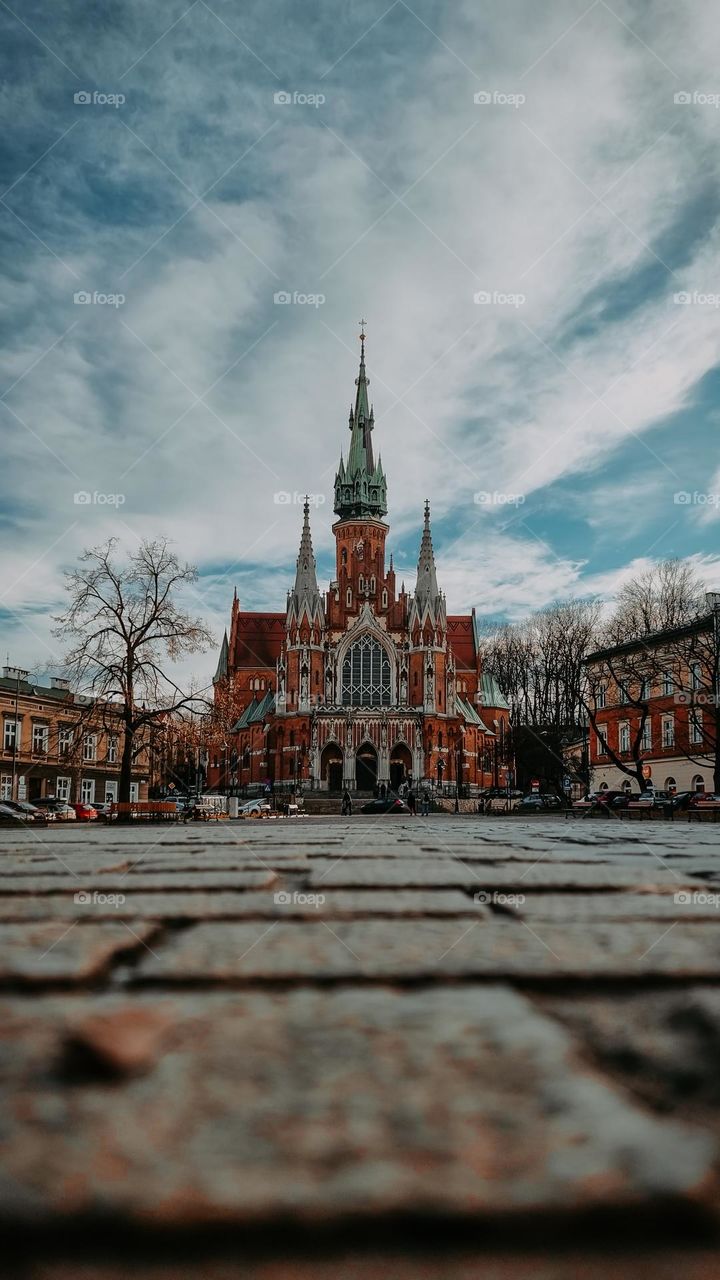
(199, 398)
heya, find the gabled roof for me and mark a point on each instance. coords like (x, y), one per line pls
(470, 715)
(255, 712)
(490, 693)
(259, 638)
(461, 636)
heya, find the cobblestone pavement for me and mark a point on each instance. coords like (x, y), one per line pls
(448, 1047)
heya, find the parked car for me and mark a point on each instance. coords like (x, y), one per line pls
(25, 811)
(85, 812)
(8, 814)
(391, 804)
(254, 809)
(537, 802)
(64, 812)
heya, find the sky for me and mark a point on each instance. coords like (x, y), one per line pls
(201, 201)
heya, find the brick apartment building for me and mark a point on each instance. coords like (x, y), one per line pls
(653, 709)
(58, 743)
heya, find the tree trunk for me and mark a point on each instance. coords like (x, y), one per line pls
(126, 764)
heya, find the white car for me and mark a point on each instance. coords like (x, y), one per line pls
(254, 809)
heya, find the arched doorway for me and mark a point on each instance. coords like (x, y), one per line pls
(400, 765)
(331, 767)
(366, 767)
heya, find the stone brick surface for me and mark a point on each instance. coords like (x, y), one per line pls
(357, 1027)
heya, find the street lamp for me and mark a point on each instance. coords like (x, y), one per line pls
(18, 675)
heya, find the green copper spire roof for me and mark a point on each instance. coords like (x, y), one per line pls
(360, 486)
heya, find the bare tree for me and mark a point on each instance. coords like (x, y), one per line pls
(124, 624)
(666, 595)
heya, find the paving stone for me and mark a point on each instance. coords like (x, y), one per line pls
(168, 905)
(698, 903)
(118, 883)
(462, 1101)
(434, 950)
(407, 873)
(52, 951)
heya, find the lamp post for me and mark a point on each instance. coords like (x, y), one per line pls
(18, 675)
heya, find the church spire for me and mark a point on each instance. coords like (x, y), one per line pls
(305, 596)
(428, 601)
(221, 670)
(360, 486)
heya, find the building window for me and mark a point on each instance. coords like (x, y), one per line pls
(668, 684)
(622, 692)
(668, 732)
(6, 787)
(349, 598)
(62, 789)
(440, 739)
(624, 737)
(89, 746)
(372, 586)
(111, 792)
(627, 786)
(65, 740)
(9, 735)
(601, 697)
(112, 749)
(646, 741)
(645, 689)
(384, 599)
(671, 786)
(695, 675)
(134, 791)
(698, 782)
(696, 733)
(601, 739)
(40, 739)
(87, 790)
(366, 675)
(361, 583)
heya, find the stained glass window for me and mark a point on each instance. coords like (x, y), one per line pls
(366, 675)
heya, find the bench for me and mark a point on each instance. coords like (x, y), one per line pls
(642, 810)
(704, 810)
(160, 810)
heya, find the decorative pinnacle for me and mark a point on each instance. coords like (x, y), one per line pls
(427, 513)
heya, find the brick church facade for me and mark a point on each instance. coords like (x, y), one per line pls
(362, 684)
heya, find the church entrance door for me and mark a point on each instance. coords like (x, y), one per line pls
(400, 765)
(366, 767)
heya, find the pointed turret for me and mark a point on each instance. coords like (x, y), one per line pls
(360, 485)
(222, 666)
(428, 601)
(304, 600)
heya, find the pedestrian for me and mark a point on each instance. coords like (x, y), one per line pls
(411, 801)
(346, 802)
(425, 807)
(383, 791)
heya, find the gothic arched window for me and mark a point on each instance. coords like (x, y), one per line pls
(366, 675)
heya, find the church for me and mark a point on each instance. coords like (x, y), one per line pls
(362, 684)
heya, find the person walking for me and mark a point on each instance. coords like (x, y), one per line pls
(346, 802)
(411, 801)
(425, 806)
